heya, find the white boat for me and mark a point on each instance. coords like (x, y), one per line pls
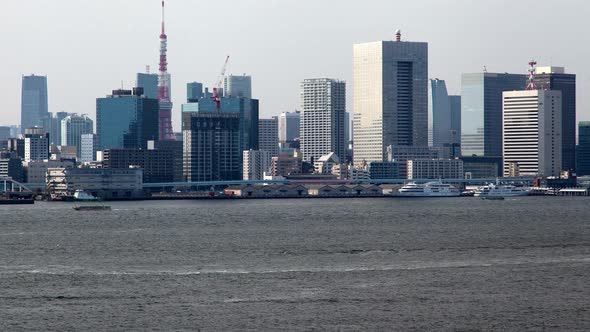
(497, 190)
(81, 195)
(430, 189)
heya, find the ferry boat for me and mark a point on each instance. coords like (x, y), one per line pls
(92, 208)
(430, 189)
(81, 195)
(497, 190)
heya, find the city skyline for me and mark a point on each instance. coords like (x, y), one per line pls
(321, 48)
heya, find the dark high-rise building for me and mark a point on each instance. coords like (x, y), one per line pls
(4, 133)
(456, 119)
(555, 78)
(194, 92)
(583, 151)
(176, 149)
(212, 150)
(126, 119)
(33, 101)
(481, 111)
(157, 165)
(149, 83)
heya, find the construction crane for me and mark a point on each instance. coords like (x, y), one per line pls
(218, 84)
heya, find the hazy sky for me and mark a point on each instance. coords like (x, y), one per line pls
(87, 47)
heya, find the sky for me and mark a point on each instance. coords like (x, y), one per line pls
(87, 48)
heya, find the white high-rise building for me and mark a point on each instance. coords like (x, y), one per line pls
(532, 137)
(390, 97)
(88, 149)
(255, 164)
(323, 107)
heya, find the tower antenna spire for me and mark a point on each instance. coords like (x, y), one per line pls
(164, 98)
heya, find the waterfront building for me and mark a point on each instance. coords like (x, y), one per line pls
(323, 107)
(435, 169)
(532, 132)
(105, 183)
(33, 101)
(401, 154)
(482, 167)
(12, 167)
(149, 83)
(285, 165)
(72, 128)
(324, 164)
(390, 97)
(36, 144)
(157, 165)
(384, 169)
(126, 119)
(268, 136)
(481, 111)
(212, 150)
(175, 147)
(255, 164)
(583, 150)
(555, 78)
(237, 86)
(88, 149)
(36, 171)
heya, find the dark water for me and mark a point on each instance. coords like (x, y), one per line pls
(369, 264)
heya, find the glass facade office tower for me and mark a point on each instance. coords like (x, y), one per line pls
(455, 120)
(439, 114)
(52, 125)
(323, 108)
(532, 133)
(289, 126)
(149, 83)
(268, 136)
(237, 86)
(194, 92)
(390, 97)
(247, 110)
(33, 101)
(481, 111)
(583, 151)
(126, 119)
(211, 150)
(72, 129)
(555, 78)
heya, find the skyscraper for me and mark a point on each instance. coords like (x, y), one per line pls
(52, 125)
(455, 120)
(583, 151)
(268, 136)
(126, 119)
(390, 97)
(72, 129)
(36, 144)
(481, 111)
(289, 126)
(149, 83)
(237, 86)
(211, 149)
(194, 92)
(323, 104)
(439, 114)
(532, 132)
(555, 78)
(33, 101)
(88, 150)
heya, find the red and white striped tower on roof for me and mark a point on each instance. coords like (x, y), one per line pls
(166, 132)
(531, 83)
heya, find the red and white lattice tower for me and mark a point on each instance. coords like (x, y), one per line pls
(166, 132)
(531, 83)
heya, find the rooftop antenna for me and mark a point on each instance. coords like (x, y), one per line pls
(398, 35)
(531, 82)
(147, 69)
(485, 69)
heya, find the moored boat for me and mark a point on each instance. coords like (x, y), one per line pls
(430, 189)
(497, 190)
